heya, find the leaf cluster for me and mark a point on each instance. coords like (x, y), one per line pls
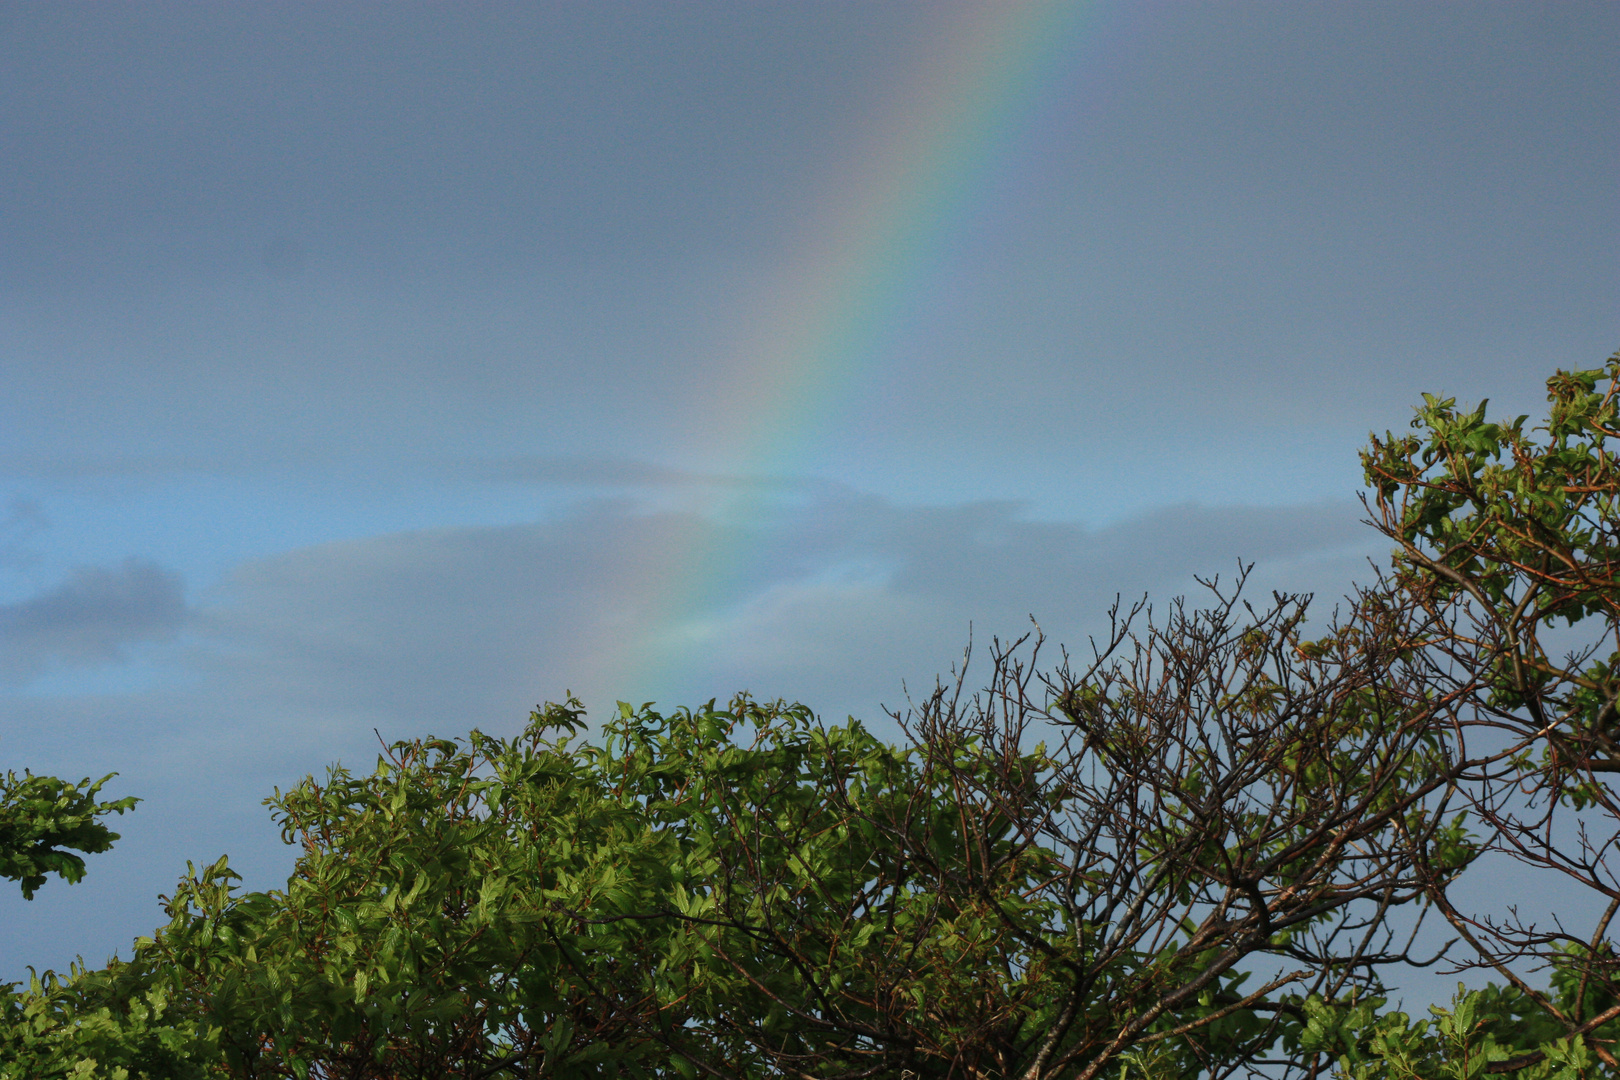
(48, 824)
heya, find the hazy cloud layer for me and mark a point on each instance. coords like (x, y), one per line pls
(90, 618)
(19, 524)
(1211, 255)
(833, 600)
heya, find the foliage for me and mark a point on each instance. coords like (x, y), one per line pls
(1480, 1034)
(452, 913)
(1203, 850)
(1511, 542)
(44, 820)
(87, 1027)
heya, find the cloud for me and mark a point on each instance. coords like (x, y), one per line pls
(616, 472)
(21, 522)
(90, 618)
(833, 599)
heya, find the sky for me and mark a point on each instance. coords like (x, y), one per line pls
(370, 371)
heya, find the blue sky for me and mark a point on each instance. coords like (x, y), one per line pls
(380, 367)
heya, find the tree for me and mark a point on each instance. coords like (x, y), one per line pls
(1502, 537)
(746, 892)
(1203, 850)
(45, 820)
(47, 825)
(1212, 805)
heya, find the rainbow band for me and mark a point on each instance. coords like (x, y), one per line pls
(920, 176)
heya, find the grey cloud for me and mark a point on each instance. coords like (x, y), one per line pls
(90, 618)
(22, 521)
(512, 125)
(99, 466)
(834, 600)
(615, 473)
(585, 471)
(268, 233)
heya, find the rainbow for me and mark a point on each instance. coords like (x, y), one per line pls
(924, 171)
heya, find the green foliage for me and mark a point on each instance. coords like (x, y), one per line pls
(44, 820)
(85, 1027)
(1483, 1032)
(1456, 1043)
(53, 1029)
(716, 891)
(1525, 530)
(1182, 859)
(459, 911)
